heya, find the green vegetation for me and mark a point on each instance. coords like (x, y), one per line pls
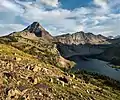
(115, 66)
(34, 70)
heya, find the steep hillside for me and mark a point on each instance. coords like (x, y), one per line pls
(111, 54)
(86, 49)
(23, 76)
(41, 47)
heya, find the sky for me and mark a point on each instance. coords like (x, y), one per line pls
(61, 16)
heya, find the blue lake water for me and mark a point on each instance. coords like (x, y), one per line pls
(95, 65)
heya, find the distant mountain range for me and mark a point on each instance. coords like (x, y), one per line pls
(82, 38)
(35, 31)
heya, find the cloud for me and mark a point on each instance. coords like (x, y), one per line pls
(18, 14)
(115, 3)
(10, 5)
(103, 6)
(108, 25)
(101, 3)
(53, 3)
(9, 28)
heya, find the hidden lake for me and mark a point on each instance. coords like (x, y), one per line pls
(96, 66)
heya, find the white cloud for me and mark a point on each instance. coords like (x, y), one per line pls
(10, 5)
(101, 3)
(104, 6)
(53, 3)
(9, 28)
(107, 26)
(114, 3)
(79, 28)
(58, 20)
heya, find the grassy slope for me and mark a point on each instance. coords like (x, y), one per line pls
(19, 73)
(25, 76)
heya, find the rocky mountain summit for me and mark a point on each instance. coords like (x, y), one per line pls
(38, 30)
(34, 31)
(82, 38)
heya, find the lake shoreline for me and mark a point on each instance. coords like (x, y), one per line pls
(95, 66)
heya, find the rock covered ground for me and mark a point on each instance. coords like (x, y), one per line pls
(23, 77)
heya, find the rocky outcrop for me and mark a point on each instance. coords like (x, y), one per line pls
(38, 30)
(33, 31)
(81, 38)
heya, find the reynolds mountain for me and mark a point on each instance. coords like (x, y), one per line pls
(34, 31)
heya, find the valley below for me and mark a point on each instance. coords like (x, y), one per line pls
(95, 66)
(93, 58)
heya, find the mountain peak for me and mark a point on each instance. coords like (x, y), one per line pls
(35, 27)
(35, 30)
(38, 30)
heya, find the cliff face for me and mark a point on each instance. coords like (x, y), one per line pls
(81, 38)
(38, 30)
